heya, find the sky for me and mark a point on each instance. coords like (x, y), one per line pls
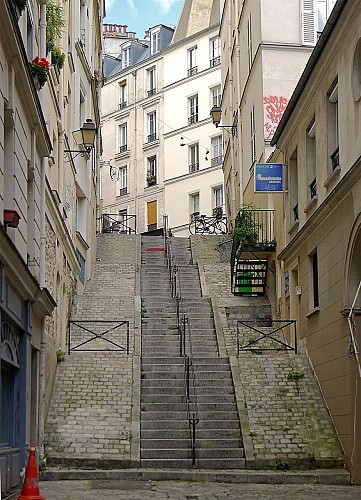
(139, 15)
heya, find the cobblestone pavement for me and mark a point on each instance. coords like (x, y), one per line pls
(182, 490)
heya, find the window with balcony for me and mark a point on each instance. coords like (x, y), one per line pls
(123, 138)
(313, 280)
(152, 130)
(192, 61)
(311, 160)
(332, 129)
(152, 81)
(122, 94)
(126, 57)
(193, 158)
(216, 96)
(217, 198)
(123, 181)
(151, 171)
(193, 109)
(194, 203)
(216, 151)
(293, 187)
(253, 135)
(155, 42)
(215, 52)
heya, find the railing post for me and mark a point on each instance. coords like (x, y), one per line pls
(187, 373)
(69, 337)
(128, 334)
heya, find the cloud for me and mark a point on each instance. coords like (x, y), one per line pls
(131, 4)
(166, 5)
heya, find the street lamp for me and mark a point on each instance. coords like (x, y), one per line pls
(216, 115)
(84, 137)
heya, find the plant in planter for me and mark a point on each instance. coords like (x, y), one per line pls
(151, 179)
(246, 228)
(39, 70)
(55, 24)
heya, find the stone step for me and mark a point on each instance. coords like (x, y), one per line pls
(202, 392)
(198, 363)
(184, 434)
(187, 463)
(183, 424)
(235, 453)
(203, 445)
(203, 408)
(201, 375)
(218, 383)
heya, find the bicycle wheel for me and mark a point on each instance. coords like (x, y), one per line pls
(221, 227)
(192, 227)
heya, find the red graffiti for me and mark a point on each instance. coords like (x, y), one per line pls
(274, 108)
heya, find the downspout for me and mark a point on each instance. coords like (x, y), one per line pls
(136, 203)
(41, 422)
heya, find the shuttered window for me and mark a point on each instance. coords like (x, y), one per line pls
(308, 22)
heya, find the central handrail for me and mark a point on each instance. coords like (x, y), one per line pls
(352, 327)
(184, 330)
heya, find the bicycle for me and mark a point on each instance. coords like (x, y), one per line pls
(201, 224)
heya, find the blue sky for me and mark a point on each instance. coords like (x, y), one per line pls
(139, 15)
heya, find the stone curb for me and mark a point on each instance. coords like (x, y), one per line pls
(325, 477)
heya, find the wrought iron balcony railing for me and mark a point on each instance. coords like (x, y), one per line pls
(151, 92)
(193, 119)
(123, 149)
(193, 71)
(123, 191)
(216, 61)
(217, 160)
(313, 189)
(123, 105)
(152, 137)
(194, 167)
(295, 213)
(335, 158)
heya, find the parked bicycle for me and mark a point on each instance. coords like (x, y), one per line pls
(201, 224)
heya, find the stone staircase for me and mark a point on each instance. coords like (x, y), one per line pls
(90, 413)
(165, 435)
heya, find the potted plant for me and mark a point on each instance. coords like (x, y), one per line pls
(55, 23)
(151, 179)
(39, 70)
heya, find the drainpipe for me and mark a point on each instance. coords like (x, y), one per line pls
(136, 204)
(41, 416)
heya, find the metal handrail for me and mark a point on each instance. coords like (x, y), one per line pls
(119, 223)
(354, 349)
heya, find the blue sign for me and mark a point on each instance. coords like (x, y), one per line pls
(268, 177)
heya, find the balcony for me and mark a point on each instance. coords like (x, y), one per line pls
(152, 137)
(193, 71)
(193, 119)
(217, 160)
(194, 167)
(123, 149)
(151, 92)
(313, 189)
(123, 191)
(123, 105)
(216, 61)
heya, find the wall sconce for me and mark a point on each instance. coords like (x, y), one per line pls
(11, 218)
(85, 138)
(207, 153)
(182, 142)
(216, 114)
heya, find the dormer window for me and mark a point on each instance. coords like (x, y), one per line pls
(155, 42)
(126, 57)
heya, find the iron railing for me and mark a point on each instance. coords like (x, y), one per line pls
(118, 223)
(266, 335)
(215, 224)
(353, 347)
(94, 335)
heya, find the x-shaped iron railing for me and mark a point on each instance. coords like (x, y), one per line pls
(267, 340)
(89, 338)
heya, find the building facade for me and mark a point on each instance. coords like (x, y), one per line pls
(48, 202)
(193, 154)
(319, 245)
(133, 128)
(265, 46)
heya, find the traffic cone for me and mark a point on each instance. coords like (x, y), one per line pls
(30, 489)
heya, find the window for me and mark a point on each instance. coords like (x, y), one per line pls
(81, 261)
(154, 42)
(193, 109)
(122, 94)
(253, 135)
(193, 158)
(314, 16)
(332, 129)
(217, 197)
(123, 181)
(215, 52)
(126, 57)
(311, 160)
(324, 8)
(249, 42)
(29, 35)
(152, 131)
(192, 64)
(123, 138)
(194, 203)
(216, 151)
(293, 187)
(314, 298)
(152, 82)
(152, 171)
(216, 96)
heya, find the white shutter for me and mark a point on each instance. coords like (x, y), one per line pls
(308, 22)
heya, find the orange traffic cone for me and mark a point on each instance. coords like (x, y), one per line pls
(30, 489)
